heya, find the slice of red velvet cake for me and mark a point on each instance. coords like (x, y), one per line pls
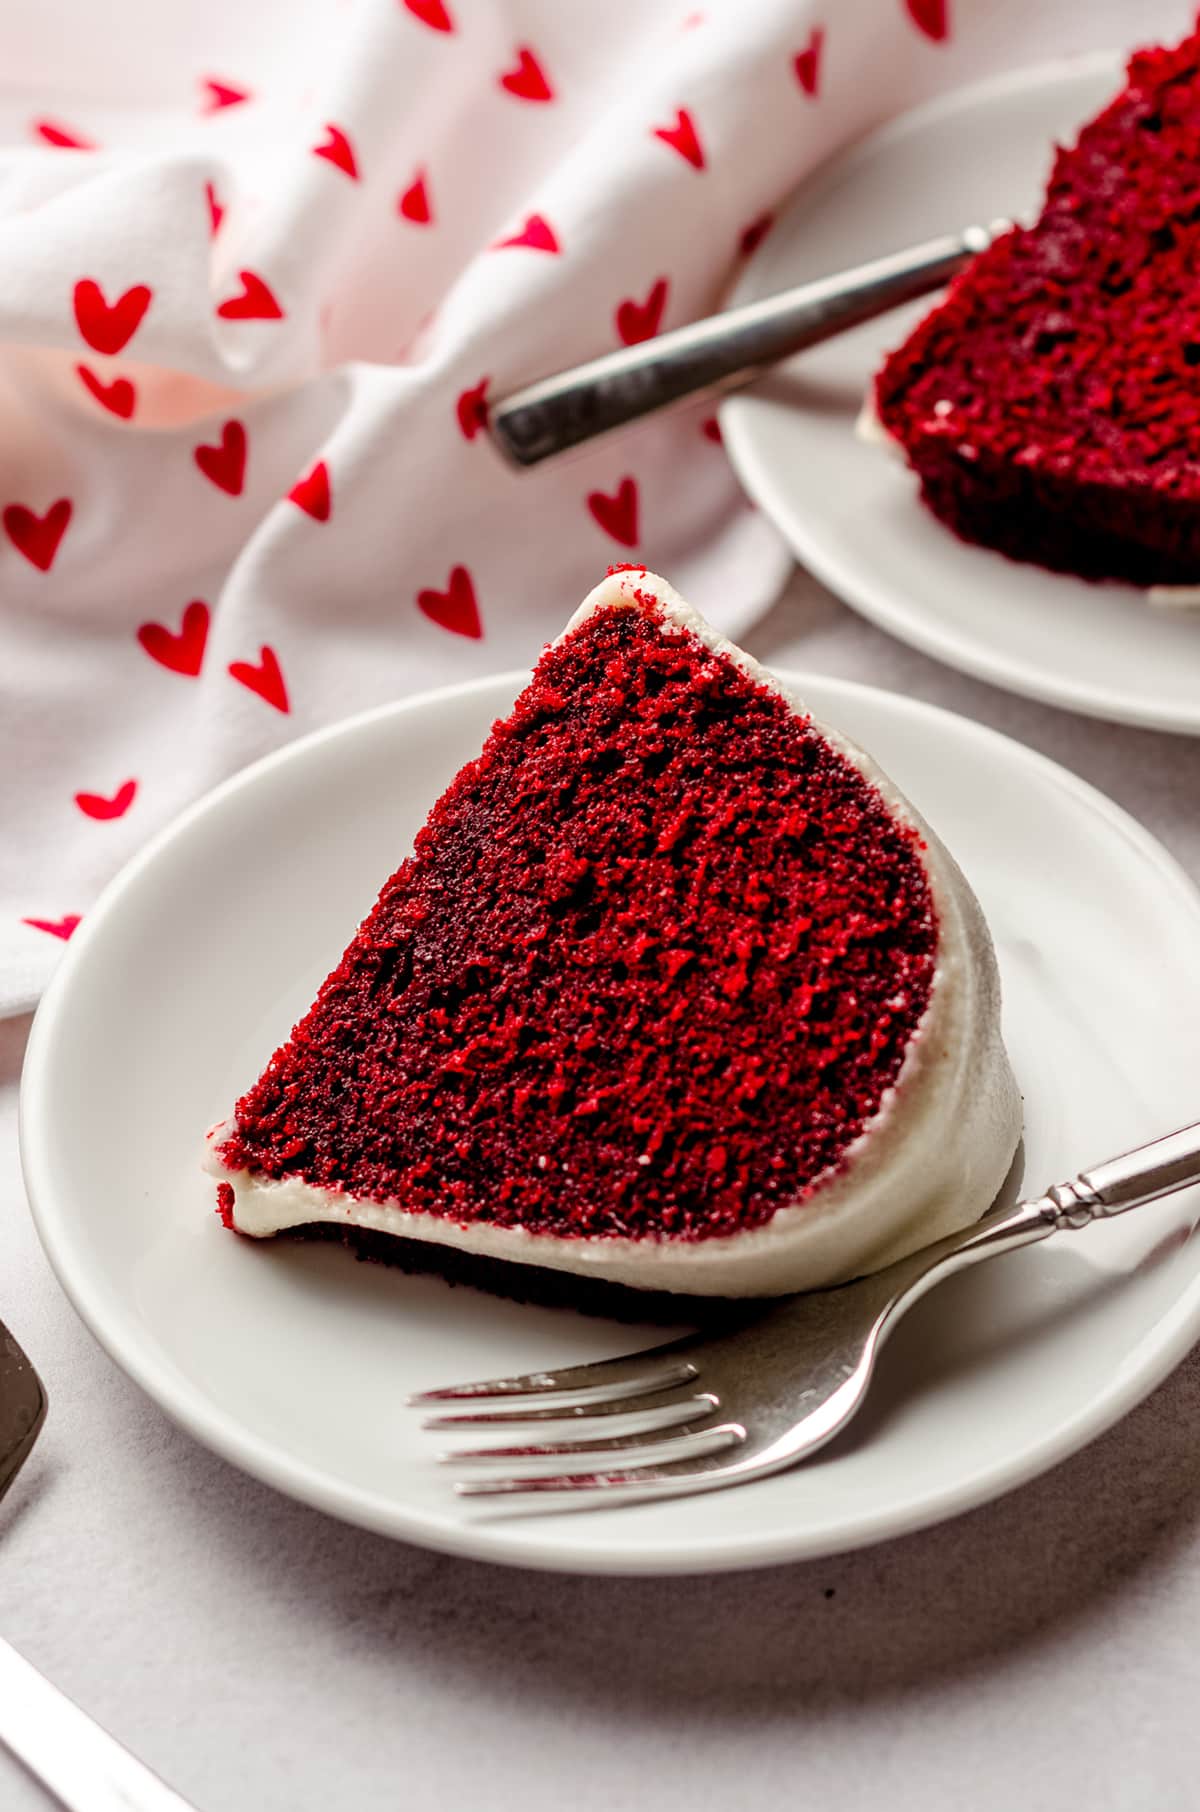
(1051, 403)
(675, 991)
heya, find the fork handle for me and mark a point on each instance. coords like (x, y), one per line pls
(86, 1769)
(726, 349)
(1138, 1176)
(1141, 1175)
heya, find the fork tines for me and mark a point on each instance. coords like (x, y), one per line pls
(634, 1373)
(640, 1421)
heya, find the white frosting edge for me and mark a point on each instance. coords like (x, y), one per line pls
(869, 428)
(1174, 597)
(931, 1160)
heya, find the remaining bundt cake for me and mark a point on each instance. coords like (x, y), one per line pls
(675, 990)
(1051, 403)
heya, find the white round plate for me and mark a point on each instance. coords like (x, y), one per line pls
(850, 511)
(294, 1361)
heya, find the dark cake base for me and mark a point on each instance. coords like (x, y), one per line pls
(1095, 532)
(532, 1284)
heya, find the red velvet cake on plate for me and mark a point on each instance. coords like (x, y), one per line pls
(675, 991)
(1050, 404)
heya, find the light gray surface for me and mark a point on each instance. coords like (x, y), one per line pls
(1040, 1652)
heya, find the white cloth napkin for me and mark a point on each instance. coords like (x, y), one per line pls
(264, 265)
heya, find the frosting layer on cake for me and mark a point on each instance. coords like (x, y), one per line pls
(710, 1010)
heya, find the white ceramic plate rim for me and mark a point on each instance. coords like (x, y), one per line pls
(874, 599)
(220, 1431)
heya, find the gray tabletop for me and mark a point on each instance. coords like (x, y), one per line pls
(1040, 1652)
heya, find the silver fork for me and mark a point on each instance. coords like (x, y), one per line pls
(718, 1409)
(82, 1766)
(721, 352)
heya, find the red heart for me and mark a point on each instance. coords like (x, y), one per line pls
(37, 537)
(216, 213)
(472, 409)
(455, 608)
(930, 16)
(63, 136)
(338, 151)
(225, 463)
(119, 396)
(527, 81)
(312, 493)
(537, 234)
(807, 62)
(710, 427)
(255, 303)
(108, 326)
(222, 94)
(682, 137)
(432, 13)
(414, 203)
(95, 805)
(265, 678)
(617, 515)
(641, 320)
(753, 235)
(182, 652)
(56, 927)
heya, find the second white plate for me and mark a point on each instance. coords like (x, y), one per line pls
(850, 512)
(294, 1362)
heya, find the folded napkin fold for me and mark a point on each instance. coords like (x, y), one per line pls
(265, 268)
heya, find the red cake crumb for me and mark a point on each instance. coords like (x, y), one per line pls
(656, 957)
(1051, 404)
(226, 1201)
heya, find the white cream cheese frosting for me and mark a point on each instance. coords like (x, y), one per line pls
(930, 1161)
(869, 428)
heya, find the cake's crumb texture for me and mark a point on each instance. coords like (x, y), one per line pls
(1051, 404)
(226, 1202)
(657, 956)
